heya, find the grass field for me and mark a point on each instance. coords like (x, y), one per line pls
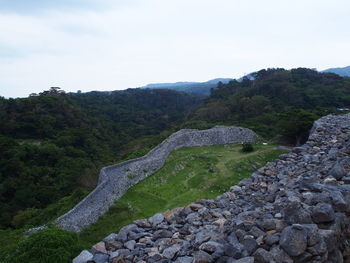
(188, 174)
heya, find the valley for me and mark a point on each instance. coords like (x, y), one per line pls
(174, 131)
(54, 143)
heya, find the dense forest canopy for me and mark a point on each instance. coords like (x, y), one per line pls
(194, 88)
(275, 101)
(53, 143)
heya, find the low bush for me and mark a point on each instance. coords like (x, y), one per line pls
(247, 147)
(52, 245)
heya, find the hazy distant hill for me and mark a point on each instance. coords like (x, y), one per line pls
(344, 72)
(195, 88)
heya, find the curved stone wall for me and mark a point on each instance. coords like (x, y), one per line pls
(116, 179)
(293, 210)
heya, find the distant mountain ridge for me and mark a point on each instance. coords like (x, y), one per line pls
(195, 88)
(344, 72)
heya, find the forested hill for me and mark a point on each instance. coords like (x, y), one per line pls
(53, 143)
(194, 88)
(275, 101)
(136, 112)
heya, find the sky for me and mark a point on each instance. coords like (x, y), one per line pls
(117, 44)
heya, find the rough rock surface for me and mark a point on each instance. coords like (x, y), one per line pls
(115, 180)
(285, 212)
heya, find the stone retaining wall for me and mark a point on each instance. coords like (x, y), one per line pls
(116, 179)
(295, 209)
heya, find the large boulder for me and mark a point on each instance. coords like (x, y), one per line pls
(294, 240)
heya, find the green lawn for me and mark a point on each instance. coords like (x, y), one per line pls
(188, 174)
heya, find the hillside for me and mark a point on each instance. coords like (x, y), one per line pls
(292, 210)
(275, 101)
(52, 145)
(115, 180)
(194, 88)
(133, 113)
(189, 174)
(344, 72)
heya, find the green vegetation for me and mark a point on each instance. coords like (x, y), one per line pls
(188, 174)
(51, 245)
(275, 102)
(8, 243)
(247, 147)
(194, 88)
(53, 144)
(10, 238)
(32, 217)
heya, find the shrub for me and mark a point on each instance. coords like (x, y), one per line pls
(247, 147)
(51, 245)
(22, 217)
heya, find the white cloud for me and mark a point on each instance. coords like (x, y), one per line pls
(137, 42)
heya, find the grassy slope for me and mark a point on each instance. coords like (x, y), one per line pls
(189, 174)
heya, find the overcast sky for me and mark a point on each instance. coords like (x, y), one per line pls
(118, 44)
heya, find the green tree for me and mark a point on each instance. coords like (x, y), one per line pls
(296, 124)
(247, 147)
(51, 245)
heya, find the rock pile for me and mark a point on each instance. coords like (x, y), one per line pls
(293, 210)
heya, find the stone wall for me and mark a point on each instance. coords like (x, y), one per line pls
(295, 209)
(115, 180)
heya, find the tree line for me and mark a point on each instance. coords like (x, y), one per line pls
(275, 101)
(54, 143)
